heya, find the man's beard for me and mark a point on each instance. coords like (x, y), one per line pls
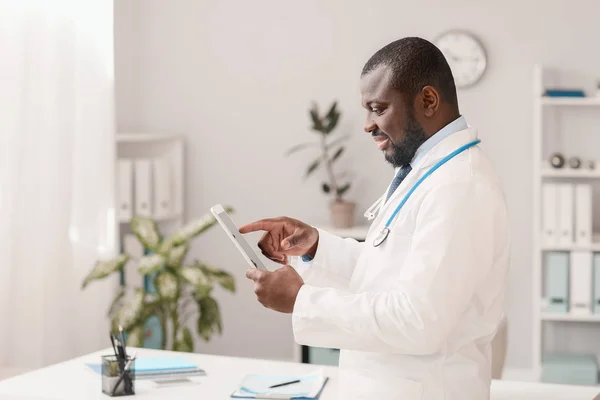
(403, 152)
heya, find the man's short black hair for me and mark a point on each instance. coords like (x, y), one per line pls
(415, 63)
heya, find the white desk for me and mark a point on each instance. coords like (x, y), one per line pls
(72, 380)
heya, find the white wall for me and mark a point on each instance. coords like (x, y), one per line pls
(237, 77)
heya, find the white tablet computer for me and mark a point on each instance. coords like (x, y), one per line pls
(238, 239)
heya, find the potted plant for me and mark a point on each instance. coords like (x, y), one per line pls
(183, 290)
(330, 150)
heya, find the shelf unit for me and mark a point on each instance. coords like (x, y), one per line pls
(161, 186)
(545, 316)
(543, 172)
(169, 148)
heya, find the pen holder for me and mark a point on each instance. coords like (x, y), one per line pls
(115, 381)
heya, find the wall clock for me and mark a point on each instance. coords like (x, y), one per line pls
(465, 55)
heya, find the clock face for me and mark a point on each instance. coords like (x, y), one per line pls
(465, 55)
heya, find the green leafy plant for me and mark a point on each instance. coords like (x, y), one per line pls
(183, 290)
(330, 149)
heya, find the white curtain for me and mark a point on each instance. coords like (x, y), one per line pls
(56, 177)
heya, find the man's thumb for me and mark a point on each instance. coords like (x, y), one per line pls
(293, 240)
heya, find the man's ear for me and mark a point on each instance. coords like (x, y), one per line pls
(430, 101)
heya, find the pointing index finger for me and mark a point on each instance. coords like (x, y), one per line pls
(261, 225)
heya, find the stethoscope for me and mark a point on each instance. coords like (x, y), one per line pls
(370, 213)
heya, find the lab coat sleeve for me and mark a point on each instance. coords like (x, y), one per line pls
(452, 248)
(333, 263)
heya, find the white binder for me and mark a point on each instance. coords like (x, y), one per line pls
(549, 214)
(125, 189)
(565, 214)
(583, 214)
(581, 282)
(143, 185)
(163, 206)
(597, 283)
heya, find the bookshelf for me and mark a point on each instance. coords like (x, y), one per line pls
(150, 182)
(547, 128)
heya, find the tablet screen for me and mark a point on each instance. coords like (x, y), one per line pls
(238, 239)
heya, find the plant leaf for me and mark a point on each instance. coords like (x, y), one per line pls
(210, 318)
(186, 343)
(151, 263)
(190, 231)
(197, 277)
(312, 167)
(332, 117)
(129, 314)
(146, 231)
(332, 110)
(149, 309)
(167, 285)
(317, 123)
(337, 154)
(104, 268)
(298, 147)
(343, 189)
(135, 336)
(222, 277)
(113, 305)
(177, 254)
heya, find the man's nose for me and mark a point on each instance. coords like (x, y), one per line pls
(370, 126)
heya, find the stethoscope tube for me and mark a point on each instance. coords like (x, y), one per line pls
(386, 230)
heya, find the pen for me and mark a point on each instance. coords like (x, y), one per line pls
(125, 370)
(284, 384)
(123, 342)
(112, 340)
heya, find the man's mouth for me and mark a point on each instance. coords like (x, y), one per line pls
(381, 139)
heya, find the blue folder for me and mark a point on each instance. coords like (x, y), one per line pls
(156, 366)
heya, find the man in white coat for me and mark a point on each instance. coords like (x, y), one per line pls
(414, 308)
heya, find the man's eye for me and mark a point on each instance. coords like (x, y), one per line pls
(378, 111)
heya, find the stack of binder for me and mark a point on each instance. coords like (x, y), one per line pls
(160, 368)
(567, 214)
(572, 270)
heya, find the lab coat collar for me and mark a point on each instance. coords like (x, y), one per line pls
(436, 153)
(445, 147)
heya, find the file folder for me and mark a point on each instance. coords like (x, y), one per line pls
(565, 214)
(125, 189)
(583, 214)
(549, 214)
(162, 188)
(557, 281)
(307, 387)
(581, 282)
(596, 283)
(143, 183)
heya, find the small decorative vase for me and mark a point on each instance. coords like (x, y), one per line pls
(342, 214)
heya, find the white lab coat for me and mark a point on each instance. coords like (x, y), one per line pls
(414, 318)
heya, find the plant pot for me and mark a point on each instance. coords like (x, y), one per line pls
(342, 214)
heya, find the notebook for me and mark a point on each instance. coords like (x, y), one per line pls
(153, 367)
(257, 387)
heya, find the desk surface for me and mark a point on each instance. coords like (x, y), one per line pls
(73, 380)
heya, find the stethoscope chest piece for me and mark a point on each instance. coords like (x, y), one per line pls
(381, 237)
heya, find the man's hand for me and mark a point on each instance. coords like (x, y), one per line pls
(276, 290)
(284, 237)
